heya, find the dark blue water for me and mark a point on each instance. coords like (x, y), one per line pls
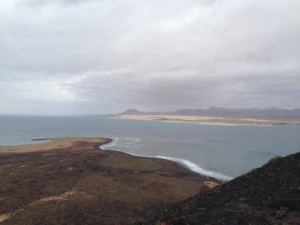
(210, 149)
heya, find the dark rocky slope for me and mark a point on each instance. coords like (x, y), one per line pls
(268, 195)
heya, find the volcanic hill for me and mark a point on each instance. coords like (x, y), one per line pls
(264, 196)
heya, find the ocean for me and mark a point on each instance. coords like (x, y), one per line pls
(220, 151)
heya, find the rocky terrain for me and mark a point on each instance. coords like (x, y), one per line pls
(264, 196)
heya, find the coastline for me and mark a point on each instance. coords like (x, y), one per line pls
(92, 143)
(211, 120)
(267, 195)
(53, 143)
(183, 162)
(102, 144)
(75, 174)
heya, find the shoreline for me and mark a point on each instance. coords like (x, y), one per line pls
(183, 162)
(49, 144)
(54, 143)
(94, 143)
(75, 174)
(206, 120)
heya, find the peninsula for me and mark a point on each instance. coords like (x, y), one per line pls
(73, 181)
(220, 116)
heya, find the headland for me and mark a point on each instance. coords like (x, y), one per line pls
(73, 181)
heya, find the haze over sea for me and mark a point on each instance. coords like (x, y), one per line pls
(214, 150)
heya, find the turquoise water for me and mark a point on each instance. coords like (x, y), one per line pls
(214, 150)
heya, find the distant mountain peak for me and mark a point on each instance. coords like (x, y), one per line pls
(130, 112)
(214, 108)
(267, 113)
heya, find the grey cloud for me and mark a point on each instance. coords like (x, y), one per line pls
(150, 55)
(36, 3)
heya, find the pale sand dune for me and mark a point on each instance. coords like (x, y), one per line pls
(209, 120)
(53, 143)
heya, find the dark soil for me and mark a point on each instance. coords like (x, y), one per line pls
(268, 195)
(84, 185)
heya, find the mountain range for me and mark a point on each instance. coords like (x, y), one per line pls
(268, 113)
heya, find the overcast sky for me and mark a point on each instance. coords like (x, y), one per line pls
(98, 56)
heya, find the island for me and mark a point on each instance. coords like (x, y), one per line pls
(220, 116)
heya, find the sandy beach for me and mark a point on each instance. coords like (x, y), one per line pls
(211, 120)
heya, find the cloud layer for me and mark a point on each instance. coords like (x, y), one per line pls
(93, 57)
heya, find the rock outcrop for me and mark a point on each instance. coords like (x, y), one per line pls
(268, 195)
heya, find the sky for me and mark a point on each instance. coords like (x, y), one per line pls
(66, 57)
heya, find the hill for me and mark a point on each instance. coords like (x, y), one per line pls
(264, 196)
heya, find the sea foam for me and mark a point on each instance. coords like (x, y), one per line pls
(113, 143)
(196, 168)
(186, 163)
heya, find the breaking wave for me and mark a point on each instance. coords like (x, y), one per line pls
(192, 166)
(131, 142)
(113, 143)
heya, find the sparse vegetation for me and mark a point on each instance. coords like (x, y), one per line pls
(275, 158)
(136, 163)
(67, 186)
